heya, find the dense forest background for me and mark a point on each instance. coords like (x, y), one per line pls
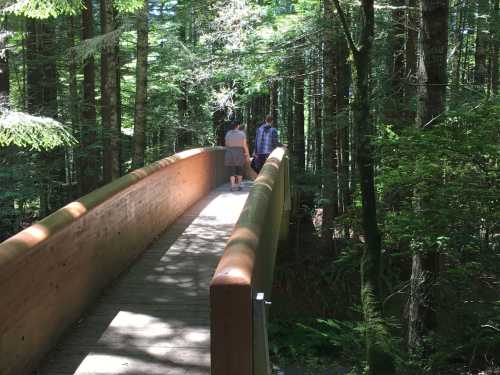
(391, 117)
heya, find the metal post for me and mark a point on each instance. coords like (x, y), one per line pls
(261, 365)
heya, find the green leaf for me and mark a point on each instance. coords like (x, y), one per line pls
(38, 133)
(43, 8)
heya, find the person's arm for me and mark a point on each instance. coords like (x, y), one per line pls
(274, 138)
(256, 141)
(245, 147)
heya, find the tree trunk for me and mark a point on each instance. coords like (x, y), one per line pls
(218, 126)
(4, 74)
(104, 104)
(74, 114)
(318, 123)
(458, 41)
(395, 106)
(118, 131)
(273, 110)
(482, 39)
(88, 159)
(299, 148)
(432, 79)
(309, 104)
(290, 117)
(184, 134)
(42, 100)
(330, 197)
(141, 87)
(495, 43)
(109, 86)
(411, 59)
(343, 76)
(379, 359)
(7, 209)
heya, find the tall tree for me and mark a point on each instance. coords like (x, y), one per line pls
(318, 120)
(74, 100)
(273, 110)
(4, 71)
(185, 134)
(495, 44)
(299, 148)
(394, 106)
(379, 359)
(482, 41)
(109, 94)
(7, 214)
(432, 80)
(88, 160)
(411, 26)
(72, 70)
(343, 80)
(41, 86)
(330, 197)
(141, 86)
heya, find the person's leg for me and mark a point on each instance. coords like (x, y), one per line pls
(232, 178)
(261, 161)
(239, 176)
(258, 165)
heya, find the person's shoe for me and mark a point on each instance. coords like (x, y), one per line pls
(239, 188)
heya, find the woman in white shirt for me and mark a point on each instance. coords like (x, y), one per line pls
(236, 154)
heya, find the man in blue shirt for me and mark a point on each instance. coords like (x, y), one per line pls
(266, 140)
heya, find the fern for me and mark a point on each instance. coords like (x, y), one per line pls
(375, 326)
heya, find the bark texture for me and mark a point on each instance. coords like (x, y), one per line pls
(482, 41)
(41, 87)
(432, 79)
(330, 196)
(4, 74)
(109, 89)
(343, 80)
(379, 358)
(299, 138)
(495, 44)
(87, 158)
(141, 87)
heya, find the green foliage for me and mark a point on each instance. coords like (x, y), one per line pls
(316, 343)
(94, 46)
(42, 9)
(35, 133)
(128, 6)
(453, 168)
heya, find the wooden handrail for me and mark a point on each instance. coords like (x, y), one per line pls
(52, 271)
(247, 267)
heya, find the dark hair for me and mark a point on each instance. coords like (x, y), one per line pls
(234, 124)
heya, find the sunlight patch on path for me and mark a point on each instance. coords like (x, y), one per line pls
(155, 319)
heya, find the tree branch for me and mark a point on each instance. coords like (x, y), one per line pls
(345, 27)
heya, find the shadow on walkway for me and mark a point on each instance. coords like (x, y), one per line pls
(155, 318)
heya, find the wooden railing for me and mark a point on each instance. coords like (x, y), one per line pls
(238, 337)
(52, 271)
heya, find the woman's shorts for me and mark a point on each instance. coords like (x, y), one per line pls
(236, 171)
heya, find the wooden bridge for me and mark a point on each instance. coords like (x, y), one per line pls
(159, 272)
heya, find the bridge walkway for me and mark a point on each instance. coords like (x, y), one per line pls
(155, 318)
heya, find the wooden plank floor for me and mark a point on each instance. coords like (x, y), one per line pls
(155, 319)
